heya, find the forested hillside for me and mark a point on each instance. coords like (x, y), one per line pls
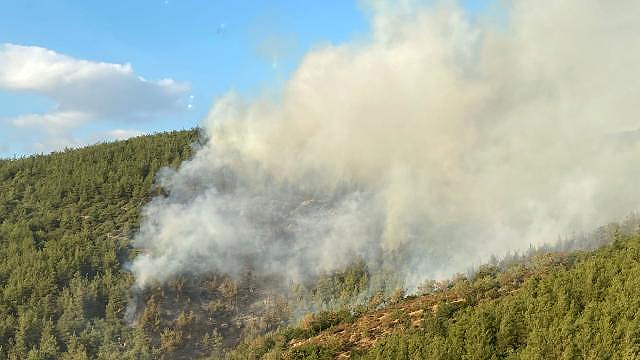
(579, 305)
(65, 224)
(67, 221)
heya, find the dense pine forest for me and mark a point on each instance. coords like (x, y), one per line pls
(65, 224)
(67, 221)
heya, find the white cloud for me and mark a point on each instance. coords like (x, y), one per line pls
(96, 88)
(83, 91)
(60, 120)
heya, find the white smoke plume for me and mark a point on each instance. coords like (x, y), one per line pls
(440, 140)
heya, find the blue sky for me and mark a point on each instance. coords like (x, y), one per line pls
(205, 47)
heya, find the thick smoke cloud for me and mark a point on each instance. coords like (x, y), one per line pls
(439, 141)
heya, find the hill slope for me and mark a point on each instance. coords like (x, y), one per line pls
(65, 224)
(581, 305)
(67, 219)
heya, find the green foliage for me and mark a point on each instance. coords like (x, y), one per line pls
(584, 306)
(65, 224)
(312, 352)
(335, 289)
(314, 323)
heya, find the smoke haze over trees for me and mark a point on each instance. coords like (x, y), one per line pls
(439, 140)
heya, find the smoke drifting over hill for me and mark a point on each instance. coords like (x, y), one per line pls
(438, 141)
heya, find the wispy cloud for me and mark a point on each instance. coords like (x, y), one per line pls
(84, 91)
(60, 120)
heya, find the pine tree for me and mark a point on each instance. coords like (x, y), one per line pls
(75, 350)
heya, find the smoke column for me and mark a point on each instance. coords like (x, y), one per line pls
(438, 140)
